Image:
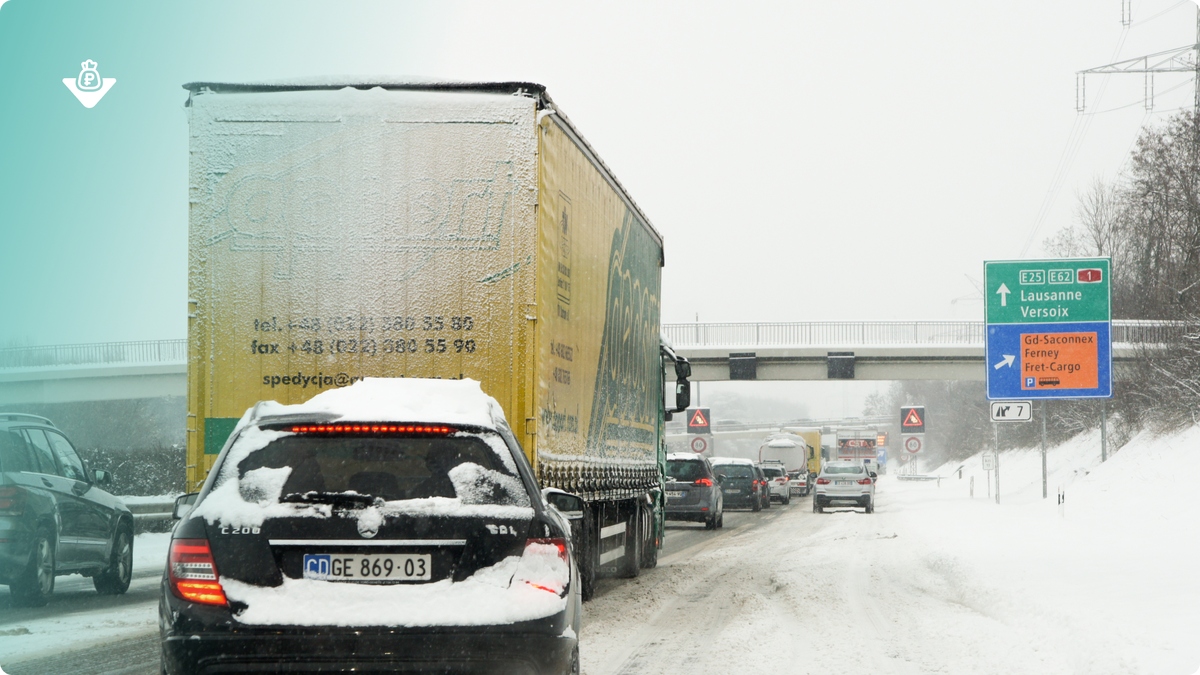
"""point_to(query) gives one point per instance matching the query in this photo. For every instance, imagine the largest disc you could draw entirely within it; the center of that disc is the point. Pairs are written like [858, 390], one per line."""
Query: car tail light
[865, 481]
[706, 482]
[193, 573]
[544, 565]
[12, 501]
[822, 481]
[372, 429]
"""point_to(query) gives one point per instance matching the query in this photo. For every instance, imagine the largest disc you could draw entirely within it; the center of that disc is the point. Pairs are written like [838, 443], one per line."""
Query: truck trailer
[347, 229]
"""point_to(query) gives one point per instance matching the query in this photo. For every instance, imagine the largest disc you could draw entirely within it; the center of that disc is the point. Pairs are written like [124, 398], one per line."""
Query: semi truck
[812, 437]
[347, 229]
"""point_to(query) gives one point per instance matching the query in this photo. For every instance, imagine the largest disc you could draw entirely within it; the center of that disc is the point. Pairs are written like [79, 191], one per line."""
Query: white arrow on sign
[1003, 293]
[1008, 361]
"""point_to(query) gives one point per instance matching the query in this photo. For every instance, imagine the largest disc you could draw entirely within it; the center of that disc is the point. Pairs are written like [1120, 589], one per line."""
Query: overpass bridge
[822, 350]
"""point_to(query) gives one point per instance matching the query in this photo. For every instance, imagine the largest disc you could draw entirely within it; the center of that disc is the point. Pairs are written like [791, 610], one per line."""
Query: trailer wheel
[631, 562]
[588, 557]
[649, 545]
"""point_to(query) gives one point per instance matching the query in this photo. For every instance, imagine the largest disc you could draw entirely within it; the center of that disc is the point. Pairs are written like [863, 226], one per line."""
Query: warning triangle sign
[698, 419]
[913, 419]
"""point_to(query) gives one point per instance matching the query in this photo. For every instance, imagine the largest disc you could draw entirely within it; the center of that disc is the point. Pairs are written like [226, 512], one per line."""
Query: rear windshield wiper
[343, 499]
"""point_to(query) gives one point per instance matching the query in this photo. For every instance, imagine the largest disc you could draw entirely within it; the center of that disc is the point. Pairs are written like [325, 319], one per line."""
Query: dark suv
[343, 534]
[693, 491]
[54, 518]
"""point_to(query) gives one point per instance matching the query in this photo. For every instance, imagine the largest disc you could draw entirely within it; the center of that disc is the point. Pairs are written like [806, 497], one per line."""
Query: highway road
[136, 651]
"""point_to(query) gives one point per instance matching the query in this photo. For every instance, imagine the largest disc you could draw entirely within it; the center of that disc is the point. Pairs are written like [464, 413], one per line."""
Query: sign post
[1049, 333]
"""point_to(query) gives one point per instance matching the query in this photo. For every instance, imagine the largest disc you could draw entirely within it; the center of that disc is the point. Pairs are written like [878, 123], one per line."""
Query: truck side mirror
[683, 394]
[683, 369]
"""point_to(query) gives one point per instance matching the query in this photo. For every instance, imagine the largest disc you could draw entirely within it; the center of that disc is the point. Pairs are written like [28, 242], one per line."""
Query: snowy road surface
[935, 581]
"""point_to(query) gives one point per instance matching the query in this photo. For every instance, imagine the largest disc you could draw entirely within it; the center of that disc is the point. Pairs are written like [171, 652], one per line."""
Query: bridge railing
[811, 333]
[97, 353]
[878, 333]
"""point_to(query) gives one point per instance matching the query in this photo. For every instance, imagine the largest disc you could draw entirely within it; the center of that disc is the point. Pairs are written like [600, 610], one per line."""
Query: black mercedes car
[54, 517]
[326, 542]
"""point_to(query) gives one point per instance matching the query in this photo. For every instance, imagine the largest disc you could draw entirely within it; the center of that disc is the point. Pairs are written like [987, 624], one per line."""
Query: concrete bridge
[860, 350]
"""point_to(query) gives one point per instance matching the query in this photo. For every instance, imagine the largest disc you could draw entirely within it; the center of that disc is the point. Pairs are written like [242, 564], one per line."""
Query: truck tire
[35, 584]
[650, 546]
[631, 562]
[589, 557]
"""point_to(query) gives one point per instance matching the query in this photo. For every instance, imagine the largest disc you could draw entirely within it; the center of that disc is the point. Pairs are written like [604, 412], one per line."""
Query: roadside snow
[937, 581]
[62, 627]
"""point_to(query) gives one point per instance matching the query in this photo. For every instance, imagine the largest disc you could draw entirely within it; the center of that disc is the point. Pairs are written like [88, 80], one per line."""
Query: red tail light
[544, 565]
[193, 573]
[865, 481]
[372, 429]
[822, 481]
[12, 501]
[706, 482]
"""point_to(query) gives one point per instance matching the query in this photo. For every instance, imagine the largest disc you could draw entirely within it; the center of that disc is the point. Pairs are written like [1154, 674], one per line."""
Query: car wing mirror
[874, 475]
[721, 478]
[101, 477]
[566, 503]
[183, 505]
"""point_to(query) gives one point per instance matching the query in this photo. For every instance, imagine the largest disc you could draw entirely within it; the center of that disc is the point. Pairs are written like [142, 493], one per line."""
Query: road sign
[1049, 330]
[912, 419]
[698, 421]
[1012, 411]
[912, 443]
[904, 457]
[699, 444]
[989, 461]
[881, 457]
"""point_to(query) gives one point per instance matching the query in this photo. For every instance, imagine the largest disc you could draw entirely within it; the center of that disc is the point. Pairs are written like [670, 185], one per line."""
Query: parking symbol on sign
[1029, 382]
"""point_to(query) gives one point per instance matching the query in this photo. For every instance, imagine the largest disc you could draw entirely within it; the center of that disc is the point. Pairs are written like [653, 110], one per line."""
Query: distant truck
[364, 228]
[791, 450]
[811, 436]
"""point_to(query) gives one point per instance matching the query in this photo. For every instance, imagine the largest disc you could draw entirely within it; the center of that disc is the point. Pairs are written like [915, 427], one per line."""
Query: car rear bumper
[825, 498]
[16, 547]
[691, 512]
[291, 650]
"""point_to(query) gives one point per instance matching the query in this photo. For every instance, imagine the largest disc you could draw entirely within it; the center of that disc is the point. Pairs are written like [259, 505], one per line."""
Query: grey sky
[804, 161]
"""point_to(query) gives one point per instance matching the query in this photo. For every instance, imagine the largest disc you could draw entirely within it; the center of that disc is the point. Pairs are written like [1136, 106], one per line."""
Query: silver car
[844, 482]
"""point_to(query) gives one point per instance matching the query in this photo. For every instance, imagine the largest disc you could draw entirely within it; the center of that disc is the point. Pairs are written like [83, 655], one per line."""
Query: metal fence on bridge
[877, 333]
[98, 353]
[811, 333]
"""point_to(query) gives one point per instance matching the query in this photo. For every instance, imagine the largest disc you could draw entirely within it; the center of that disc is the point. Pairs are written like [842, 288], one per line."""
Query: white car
[844, 482]
[777, 481]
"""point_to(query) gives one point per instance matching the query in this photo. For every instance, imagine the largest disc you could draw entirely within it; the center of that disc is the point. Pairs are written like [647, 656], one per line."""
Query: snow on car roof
[730, 460]
[399, 399]
[682, 455]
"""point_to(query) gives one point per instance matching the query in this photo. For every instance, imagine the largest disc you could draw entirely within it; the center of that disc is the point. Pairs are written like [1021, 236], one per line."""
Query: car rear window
[772, 473]
[391, 468]
[15, 454]
[735, 470]
[685, 469]
[844, 469]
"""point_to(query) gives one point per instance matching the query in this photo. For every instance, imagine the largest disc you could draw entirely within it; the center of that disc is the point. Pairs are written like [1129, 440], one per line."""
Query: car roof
[25, 419]
[684, 456]
[730, 460]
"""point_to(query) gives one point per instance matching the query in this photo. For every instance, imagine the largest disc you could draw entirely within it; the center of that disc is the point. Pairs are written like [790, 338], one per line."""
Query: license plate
[732, 492]
[369, 568]
[674, 493]
[843, 482]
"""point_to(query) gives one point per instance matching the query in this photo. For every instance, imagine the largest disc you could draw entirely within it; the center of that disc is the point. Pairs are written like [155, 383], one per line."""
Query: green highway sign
[1049, 329]
[1047, 291]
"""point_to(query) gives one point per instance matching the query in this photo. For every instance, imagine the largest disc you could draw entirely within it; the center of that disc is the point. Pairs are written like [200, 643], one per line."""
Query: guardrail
[149, 509]
[882, 333]
[96, 353]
